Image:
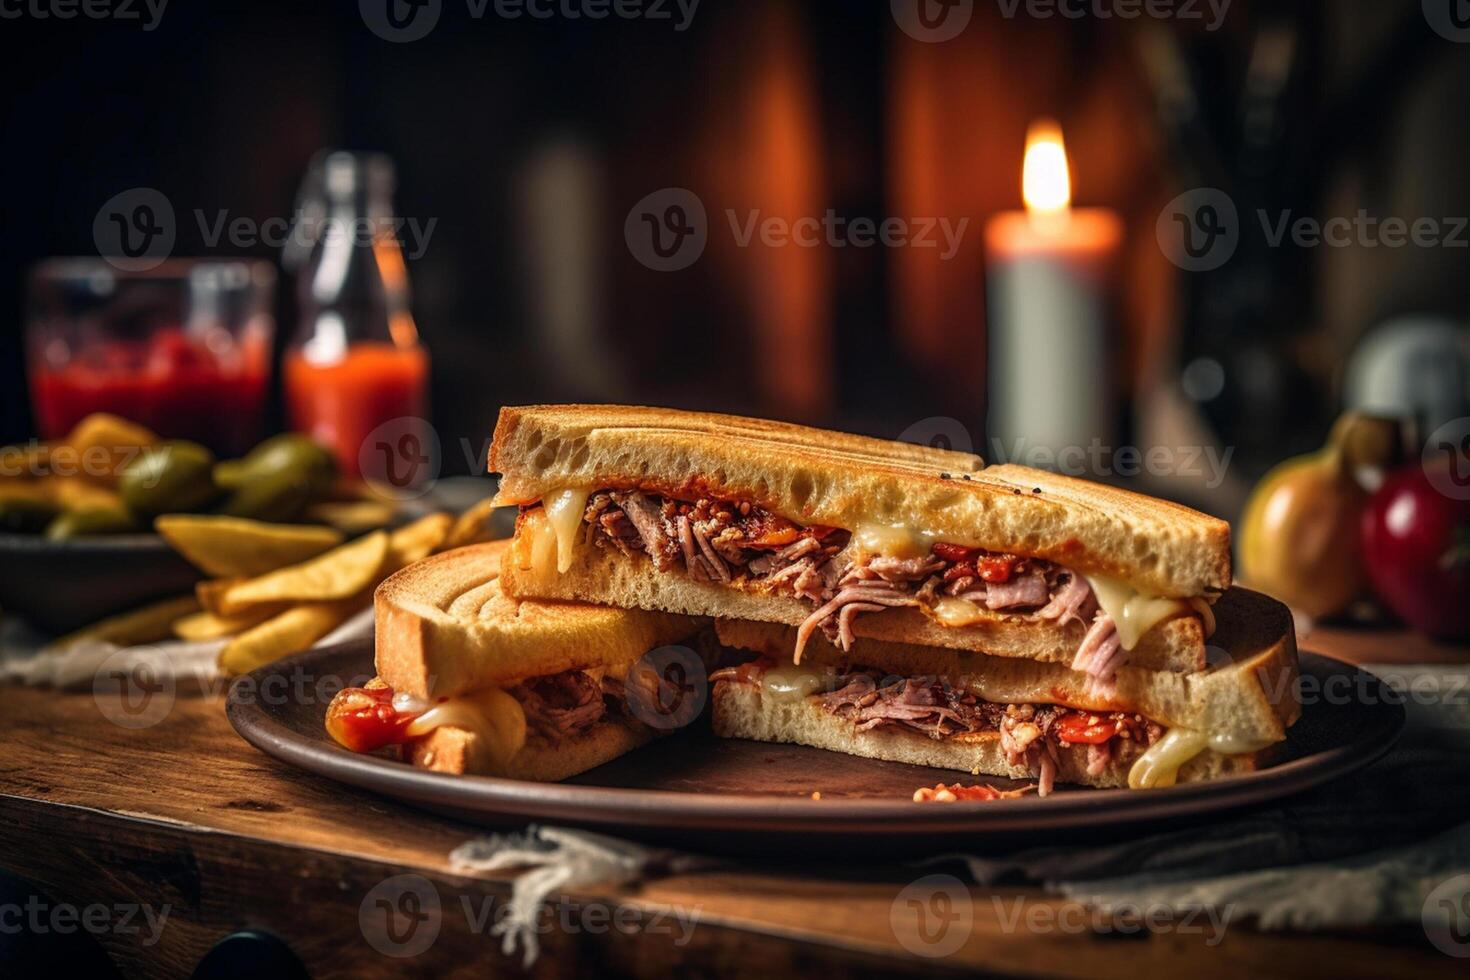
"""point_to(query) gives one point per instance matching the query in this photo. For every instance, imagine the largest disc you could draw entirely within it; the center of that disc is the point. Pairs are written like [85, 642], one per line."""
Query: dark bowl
[60, 586]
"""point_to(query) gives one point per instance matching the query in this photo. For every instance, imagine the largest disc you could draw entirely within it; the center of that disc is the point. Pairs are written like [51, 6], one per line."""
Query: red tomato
[954, 552]
[1416, 546]
[1077, 728]
[997, 568]
[364, 719]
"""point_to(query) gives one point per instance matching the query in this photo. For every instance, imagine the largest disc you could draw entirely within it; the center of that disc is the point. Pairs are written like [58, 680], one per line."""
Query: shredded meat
[561, 706]
[746, 545]
[928, 706]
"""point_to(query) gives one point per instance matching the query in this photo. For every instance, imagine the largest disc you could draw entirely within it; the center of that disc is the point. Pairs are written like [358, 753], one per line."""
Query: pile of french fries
[276, 588]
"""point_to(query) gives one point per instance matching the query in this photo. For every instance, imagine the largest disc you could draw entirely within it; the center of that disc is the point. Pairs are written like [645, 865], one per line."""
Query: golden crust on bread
[1249, 691]
[444, 627]
[455, 750]
[813, 476]
[605, 575]
[742, 711]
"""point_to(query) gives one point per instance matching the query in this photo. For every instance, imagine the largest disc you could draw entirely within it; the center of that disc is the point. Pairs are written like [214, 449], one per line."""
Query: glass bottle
[356, 374]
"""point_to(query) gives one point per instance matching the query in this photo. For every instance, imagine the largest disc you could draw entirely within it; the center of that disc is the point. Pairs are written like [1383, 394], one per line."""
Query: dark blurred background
[528, 140]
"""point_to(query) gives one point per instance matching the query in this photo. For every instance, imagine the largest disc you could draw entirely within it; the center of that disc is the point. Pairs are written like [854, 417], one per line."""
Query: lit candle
[1050, 343]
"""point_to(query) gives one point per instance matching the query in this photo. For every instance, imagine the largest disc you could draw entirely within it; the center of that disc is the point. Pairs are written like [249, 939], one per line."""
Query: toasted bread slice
[444, 627]
[744, 711]
[1249, 693]
[811, 476]
[455, 750]
[605, 575]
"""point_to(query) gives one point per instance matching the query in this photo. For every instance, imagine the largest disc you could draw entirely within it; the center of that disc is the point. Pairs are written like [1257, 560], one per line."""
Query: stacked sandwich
[907, 603]
[890, 601]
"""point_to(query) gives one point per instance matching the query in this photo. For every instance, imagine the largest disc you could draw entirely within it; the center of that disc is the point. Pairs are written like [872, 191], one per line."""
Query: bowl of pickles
[77, 516]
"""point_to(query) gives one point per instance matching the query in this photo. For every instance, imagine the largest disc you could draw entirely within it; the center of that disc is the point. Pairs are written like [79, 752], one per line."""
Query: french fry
[149, 624]
[295, 629]
[101, 445]
[340, 573]
[80, 493]
[416, 541]
[352, 516]
[205, 625]
[472, 526]
[234, 546]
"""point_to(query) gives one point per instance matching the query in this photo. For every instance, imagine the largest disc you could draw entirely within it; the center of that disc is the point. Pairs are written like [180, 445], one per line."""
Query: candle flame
[1046, 183]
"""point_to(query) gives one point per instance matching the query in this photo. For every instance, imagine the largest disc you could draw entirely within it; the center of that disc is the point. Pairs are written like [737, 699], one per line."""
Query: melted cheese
[956, 612]
[1160, 765]
[544, 549]
[1133, 613]
[564, 510]
[891, 541]
[493, 715]
[788, 682]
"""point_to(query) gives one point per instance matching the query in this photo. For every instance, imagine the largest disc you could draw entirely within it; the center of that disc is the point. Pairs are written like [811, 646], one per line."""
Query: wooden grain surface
[184, 813]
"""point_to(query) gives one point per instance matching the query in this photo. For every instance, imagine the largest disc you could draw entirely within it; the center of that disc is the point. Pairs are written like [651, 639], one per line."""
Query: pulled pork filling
[725, 542]
[1030, 734]
[562, 706]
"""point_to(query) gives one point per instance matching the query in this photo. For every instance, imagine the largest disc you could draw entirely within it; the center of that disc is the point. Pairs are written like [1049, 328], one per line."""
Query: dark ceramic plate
[60, 586]
[731, 795]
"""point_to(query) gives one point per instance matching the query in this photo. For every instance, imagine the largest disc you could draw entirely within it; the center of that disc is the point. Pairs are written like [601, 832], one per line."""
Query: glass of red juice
[183, 348]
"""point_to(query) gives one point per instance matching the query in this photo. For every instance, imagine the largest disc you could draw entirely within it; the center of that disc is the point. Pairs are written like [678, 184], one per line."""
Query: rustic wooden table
[186, 815]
